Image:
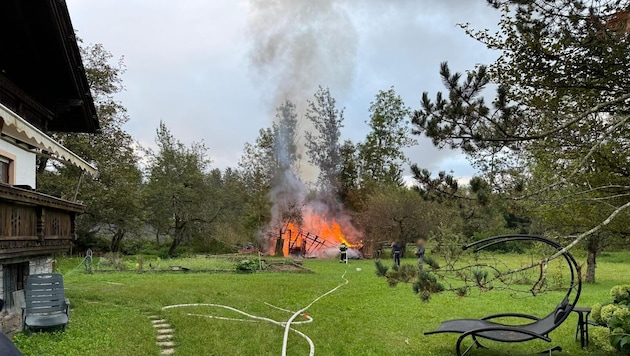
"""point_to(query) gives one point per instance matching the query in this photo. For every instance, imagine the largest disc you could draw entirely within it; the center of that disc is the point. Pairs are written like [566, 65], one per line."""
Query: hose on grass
[287, 325]
[252, 318]
[255, 318]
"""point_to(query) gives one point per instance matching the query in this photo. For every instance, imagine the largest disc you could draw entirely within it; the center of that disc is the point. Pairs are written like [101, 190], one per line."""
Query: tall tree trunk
[117, 240]
[157, 238]
[593, 248]
[174, 245]
[178, 236]
[591, 264]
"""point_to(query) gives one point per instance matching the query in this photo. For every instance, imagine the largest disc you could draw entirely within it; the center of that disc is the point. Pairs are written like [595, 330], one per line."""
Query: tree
[324, 145]
[349, 183]
[113, 196]
[381, 154]
[177, 195]
[482, 212]
[287, 190]
[562, 99]
[285, 131]
[257, 166]
[398, 214]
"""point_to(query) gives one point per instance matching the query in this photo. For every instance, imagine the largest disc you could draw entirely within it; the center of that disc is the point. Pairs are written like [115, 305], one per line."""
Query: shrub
[393, 277]
[431, 262]
[427, 284]
[407, 273]
[381, 269]
[615, 319]
[112, 261]
[600, 336]
[621, 294]
[247, 266]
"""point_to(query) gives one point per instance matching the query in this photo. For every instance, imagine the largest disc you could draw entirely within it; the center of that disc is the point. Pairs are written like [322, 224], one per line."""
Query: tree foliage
[176, 194]
[382, 153]
[113, 196]
[323, 144]
[560, 108]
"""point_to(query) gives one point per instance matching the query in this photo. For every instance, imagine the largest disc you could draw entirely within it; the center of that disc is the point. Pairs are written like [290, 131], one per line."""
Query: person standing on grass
[420, 253]
[397, 250]
[344, 253]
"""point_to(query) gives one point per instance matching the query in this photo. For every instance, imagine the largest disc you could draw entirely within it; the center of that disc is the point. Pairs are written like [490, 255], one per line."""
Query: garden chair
[535, 328]
[45, 304]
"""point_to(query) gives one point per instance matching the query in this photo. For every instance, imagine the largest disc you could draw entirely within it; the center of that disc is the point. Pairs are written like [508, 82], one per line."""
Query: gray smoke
[296, 46]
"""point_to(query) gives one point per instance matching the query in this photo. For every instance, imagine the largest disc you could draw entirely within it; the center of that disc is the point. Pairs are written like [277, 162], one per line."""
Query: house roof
[40, 63]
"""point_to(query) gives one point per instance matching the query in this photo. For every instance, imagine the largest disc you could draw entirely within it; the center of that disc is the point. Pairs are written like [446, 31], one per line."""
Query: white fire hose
[287, 326]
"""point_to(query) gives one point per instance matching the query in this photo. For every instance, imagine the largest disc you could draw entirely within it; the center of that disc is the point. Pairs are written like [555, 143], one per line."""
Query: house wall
[37, 264]
[24, 163]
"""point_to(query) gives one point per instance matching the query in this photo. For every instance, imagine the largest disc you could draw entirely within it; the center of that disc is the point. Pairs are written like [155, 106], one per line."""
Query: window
[5, 164]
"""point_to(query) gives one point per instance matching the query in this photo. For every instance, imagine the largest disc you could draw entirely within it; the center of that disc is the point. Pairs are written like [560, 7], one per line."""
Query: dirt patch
[288, 267]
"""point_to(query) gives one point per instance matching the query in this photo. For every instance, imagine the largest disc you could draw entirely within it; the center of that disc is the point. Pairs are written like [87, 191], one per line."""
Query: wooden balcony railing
[32, 223]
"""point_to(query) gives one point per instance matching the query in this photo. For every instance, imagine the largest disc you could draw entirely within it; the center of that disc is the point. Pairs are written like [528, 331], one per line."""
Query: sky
[214, 71]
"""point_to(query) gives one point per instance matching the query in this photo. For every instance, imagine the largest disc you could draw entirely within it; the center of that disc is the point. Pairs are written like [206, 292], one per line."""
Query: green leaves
[381, 153]
[616, 317]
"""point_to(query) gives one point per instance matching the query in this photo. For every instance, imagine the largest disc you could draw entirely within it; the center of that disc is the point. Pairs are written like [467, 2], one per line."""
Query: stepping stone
[165, 331]
[164, 337]
[168, 352]
[161, 326]
[166, 343]
[153, 317]
[158, 321]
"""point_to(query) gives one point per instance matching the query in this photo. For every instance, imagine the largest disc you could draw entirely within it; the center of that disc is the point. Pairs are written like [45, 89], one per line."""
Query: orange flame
[315, 234]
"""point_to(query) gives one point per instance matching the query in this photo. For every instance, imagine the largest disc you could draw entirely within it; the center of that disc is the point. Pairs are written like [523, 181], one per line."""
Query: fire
[315, 235]
[331, 232]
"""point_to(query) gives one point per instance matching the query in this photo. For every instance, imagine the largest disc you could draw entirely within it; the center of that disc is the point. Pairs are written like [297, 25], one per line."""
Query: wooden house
[43, 88]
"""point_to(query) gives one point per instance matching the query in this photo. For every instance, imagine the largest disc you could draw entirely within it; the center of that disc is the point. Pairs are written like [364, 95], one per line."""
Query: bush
[621, 294]
[247, 266]
[381, 269]
[600, 336]
[427, 284]
[393, 277]
[431, 262]
[407, 273]
[111, 261]
[615, 319]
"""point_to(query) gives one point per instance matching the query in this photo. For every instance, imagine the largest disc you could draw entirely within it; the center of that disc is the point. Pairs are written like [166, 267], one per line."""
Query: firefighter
[344, 253]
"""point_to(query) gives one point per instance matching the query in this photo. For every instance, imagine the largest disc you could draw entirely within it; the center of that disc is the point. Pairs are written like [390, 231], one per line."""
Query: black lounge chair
[536, 328]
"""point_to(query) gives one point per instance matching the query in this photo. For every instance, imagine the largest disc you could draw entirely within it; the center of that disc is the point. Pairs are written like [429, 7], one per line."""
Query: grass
[156, 264]
[365, 317]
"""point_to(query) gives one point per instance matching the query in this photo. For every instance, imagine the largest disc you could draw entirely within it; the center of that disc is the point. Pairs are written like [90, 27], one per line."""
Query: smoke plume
[297, 46]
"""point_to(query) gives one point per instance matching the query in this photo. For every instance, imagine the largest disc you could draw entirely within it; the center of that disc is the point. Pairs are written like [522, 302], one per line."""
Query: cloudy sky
[214, 70]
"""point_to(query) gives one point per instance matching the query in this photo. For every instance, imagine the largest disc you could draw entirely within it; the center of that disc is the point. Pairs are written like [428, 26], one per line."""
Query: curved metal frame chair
[537, 328]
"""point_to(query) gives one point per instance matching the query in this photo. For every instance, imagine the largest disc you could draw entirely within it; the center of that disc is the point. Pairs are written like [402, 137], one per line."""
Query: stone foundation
[10, 319]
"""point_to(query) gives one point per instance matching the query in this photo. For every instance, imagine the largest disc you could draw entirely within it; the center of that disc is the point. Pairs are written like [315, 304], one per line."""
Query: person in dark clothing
[344, 253]
[397, 251]
[420, 253]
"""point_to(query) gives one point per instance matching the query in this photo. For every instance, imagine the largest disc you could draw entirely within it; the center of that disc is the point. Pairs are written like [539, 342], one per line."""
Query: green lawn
[364, 317]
